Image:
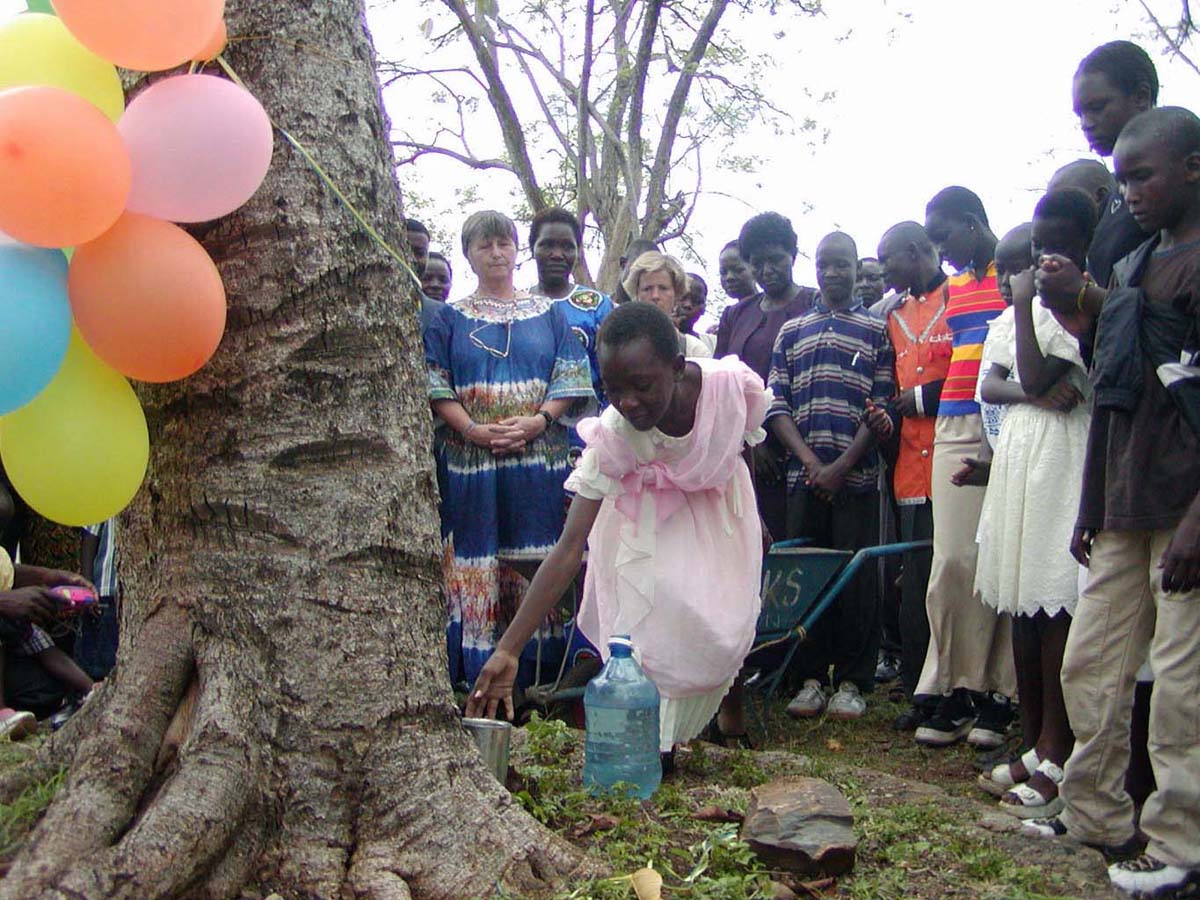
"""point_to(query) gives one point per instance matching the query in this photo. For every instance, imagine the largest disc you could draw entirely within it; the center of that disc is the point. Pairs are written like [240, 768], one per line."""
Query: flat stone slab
[802, 825]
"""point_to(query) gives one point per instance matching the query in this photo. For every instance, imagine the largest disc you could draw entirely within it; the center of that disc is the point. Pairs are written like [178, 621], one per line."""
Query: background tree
[281, 561]
[1175, 32]
[612, 109]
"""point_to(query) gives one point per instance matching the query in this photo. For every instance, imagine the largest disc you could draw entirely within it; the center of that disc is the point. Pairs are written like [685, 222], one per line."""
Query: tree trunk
[281, 559]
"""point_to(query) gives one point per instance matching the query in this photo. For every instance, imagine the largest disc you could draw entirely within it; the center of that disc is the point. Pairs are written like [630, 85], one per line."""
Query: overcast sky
[927, 93]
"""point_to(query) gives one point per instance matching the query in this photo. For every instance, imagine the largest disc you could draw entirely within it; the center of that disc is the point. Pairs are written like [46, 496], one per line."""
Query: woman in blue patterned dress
[504, 368]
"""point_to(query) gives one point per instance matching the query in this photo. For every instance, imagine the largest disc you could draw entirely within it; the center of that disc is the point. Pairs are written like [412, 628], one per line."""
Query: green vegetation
[919, 831]
[18, 818]
[696, 858]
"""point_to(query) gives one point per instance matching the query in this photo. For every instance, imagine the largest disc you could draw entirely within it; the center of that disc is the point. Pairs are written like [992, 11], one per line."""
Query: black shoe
[912, 718]
[1123, 852]
[888, 668]
[954, 718]
[668, 763]
[996, 715]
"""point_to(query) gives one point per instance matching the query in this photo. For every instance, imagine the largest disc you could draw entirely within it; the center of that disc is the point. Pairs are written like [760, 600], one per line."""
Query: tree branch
[506, 113]
[1175, 44]
[586, 143]
[656, 191]
[641, 67]
[432, 150]
[550, 117]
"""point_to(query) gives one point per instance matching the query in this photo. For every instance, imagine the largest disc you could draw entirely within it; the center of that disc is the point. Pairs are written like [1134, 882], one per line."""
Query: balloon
[148, 299]
[36, 49]
[200, 147]
[77, 454]
[64, 171]
[215, 44]
[147, 35]
[40, 6]
[36, 321]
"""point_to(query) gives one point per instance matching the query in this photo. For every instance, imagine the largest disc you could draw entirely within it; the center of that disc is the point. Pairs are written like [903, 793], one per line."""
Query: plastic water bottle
[621, 706]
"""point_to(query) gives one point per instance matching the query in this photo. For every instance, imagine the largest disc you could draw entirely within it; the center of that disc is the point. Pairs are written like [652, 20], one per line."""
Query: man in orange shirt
[922, 340]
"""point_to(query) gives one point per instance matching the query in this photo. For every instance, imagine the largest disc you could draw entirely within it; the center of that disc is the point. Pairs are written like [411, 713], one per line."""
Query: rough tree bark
[281, 560]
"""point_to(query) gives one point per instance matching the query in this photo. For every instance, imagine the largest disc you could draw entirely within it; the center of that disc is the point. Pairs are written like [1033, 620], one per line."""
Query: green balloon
[40, 6]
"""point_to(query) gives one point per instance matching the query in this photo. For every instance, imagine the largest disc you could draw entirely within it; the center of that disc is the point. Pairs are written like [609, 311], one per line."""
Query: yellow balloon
[77, 452]
[37, 49]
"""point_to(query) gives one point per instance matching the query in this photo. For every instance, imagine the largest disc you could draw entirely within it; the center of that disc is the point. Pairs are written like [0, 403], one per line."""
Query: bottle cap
[620, 640]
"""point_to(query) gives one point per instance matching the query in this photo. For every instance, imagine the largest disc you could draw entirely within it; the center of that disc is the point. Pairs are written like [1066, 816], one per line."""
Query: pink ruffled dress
[675, 554]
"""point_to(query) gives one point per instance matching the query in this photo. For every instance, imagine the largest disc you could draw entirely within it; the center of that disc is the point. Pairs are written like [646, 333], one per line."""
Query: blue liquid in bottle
[621, 707]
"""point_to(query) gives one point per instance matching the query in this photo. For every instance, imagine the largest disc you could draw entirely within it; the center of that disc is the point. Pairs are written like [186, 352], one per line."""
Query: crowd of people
[1031, 421]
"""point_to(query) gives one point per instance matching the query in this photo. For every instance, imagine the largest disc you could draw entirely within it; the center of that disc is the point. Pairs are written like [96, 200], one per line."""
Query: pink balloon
[200, 147]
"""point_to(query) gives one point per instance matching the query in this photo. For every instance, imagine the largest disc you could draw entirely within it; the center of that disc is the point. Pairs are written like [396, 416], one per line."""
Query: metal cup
[492, 737]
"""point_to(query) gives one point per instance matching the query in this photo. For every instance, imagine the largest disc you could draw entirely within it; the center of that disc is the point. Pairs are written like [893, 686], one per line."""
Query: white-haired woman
[659, 279]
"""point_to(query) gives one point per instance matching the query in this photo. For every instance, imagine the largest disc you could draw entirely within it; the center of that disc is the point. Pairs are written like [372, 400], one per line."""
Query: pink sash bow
[653, 478]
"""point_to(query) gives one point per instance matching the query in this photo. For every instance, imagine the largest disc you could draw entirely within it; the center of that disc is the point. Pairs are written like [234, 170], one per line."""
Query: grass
[19, 817]
[918, 829]
[915, 811]
[696, 858]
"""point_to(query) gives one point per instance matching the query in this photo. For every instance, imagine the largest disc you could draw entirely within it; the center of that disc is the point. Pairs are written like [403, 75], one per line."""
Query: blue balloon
[35, 321]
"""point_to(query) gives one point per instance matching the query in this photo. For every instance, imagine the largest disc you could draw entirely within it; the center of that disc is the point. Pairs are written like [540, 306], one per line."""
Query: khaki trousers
[970, 646]
[1124, 617]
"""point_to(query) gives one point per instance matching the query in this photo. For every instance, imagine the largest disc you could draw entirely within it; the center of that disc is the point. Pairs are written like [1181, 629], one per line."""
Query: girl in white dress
[1025, 566]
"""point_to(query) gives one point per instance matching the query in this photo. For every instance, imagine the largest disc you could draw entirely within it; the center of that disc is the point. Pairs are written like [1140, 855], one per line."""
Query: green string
[324, 176]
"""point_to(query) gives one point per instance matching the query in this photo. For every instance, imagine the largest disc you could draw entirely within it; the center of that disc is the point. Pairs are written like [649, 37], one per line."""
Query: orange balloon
[64, 170]
[147, 35]
[215, 44]
[147, 299]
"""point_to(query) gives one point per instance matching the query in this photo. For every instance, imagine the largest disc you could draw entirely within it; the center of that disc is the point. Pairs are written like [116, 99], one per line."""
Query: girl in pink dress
[665, 504]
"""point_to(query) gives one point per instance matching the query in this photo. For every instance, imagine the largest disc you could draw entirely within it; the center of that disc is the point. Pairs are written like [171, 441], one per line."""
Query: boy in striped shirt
[969, 662]
[826, 366]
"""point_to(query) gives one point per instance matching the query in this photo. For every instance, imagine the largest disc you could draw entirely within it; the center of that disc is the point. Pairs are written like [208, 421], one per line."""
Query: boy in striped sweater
[969, 662]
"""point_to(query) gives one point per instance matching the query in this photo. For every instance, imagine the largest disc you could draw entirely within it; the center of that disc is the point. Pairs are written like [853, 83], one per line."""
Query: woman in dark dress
[748, 329]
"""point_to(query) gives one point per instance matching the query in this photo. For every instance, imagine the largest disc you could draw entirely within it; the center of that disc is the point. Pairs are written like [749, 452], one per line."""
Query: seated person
[25, 604]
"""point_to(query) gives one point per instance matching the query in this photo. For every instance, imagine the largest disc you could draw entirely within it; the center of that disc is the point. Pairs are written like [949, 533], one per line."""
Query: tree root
[114, 761]
[403, 843]
[187, 784]
[194, 818]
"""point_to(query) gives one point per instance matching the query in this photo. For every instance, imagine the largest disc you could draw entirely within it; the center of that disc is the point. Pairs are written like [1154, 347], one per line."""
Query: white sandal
[1031, 804]
[1000, 780]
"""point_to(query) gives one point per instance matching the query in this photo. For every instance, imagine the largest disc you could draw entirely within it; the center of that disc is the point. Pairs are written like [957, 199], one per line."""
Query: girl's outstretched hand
[493, 687]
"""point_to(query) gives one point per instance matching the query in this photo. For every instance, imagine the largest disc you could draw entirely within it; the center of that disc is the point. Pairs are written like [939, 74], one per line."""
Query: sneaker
[888, 668]
[16, 725]
[809, 702]
[954, 717]
[1054, 827]
[59, 719]
[847, 703]
[996, 714]
[912, 718]
[1146, 876]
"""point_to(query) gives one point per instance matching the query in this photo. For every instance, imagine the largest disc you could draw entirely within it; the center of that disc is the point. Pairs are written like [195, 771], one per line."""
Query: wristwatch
[545, 415]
